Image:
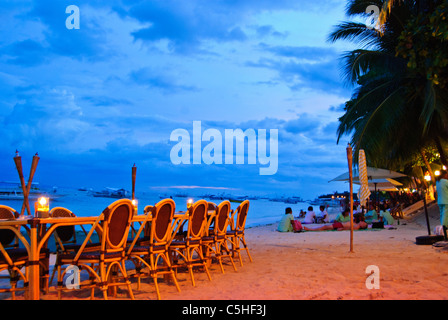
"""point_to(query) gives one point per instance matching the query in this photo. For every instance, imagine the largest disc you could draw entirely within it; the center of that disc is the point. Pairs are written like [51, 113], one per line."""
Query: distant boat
[214, 197]
[237, 199]
[328, 202]
[111, 193]
[291, 200]
[181, 195]
[13, 191]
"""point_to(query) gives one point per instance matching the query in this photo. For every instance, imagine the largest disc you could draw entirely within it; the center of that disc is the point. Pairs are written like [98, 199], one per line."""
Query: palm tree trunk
[433, 178]
[443, 157]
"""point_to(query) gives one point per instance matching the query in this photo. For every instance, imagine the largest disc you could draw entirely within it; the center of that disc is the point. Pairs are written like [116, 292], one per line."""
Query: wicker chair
[215, 241]
[147, 228]
[65, 237]
[115, 220]
[13, 258]
[211, 207]
[183, 250]
[160, 236]
[396, 212]
[236, 234]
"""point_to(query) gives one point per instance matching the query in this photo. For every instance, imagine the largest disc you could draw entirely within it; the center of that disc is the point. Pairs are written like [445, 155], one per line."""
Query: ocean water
[83, 204]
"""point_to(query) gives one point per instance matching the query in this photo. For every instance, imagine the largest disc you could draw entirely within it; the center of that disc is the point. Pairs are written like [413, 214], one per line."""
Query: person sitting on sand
[344, 216]
[371, 215]
[385, 214]
[285, 223]
[322, 215]
[337, 226]
[310, 216]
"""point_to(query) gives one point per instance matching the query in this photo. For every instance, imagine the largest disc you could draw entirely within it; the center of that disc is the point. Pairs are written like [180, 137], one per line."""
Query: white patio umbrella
[382, 184]
[372, 173]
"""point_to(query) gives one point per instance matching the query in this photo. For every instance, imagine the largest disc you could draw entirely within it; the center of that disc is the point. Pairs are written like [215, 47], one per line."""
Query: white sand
[317, 265]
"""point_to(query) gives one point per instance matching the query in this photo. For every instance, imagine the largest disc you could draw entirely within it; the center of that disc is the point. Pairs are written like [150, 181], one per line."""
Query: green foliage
[399, 106]
[424, 44]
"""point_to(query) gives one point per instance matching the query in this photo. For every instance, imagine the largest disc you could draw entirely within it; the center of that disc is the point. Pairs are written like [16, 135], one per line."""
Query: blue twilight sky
[93, 101]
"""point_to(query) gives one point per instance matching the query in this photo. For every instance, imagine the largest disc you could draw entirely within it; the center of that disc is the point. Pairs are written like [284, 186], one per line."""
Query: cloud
[188, 25]
[307, 53]
[306, 70]
[107, 101]
[185, 24]
[52, 38]
[26, 53]
[305, 123]
[158, 80]
[94, 101]
[268, 30]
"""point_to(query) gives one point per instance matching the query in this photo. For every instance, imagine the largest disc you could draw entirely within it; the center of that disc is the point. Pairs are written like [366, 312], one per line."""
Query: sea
[84, 204]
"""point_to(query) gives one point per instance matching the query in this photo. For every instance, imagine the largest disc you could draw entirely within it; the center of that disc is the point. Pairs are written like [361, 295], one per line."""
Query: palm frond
[356, 32]
[359, 62]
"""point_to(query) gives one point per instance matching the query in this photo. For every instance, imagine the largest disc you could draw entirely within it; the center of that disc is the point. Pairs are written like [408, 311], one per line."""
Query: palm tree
[421, 5]
[394, 113]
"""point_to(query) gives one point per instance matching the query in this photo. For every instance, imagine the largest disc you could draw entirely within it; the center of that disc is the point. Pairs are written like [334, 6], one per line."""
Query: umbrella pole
[350, 162]
[426, 213]
[376, 198]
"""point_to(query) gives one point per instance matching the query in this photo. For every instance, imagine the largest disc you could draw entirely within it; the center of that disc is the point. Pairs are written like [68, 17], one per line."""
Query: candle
[42, 207]
[135, 204]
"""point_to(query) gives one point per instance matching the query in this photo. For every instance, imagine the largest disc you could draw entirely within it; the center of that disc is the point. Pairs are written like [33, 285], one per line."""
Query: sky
[94, 100]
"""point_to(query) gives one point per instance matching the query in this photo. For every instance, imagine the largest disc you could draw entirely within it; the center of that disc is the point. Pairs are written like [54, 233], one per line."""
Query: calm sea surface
[81, 203]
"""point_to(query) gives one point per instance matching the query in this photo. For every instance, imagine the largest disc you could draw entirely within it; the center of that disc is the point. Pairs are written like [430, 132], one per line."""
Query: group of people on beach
[342, 221]
[362, 217]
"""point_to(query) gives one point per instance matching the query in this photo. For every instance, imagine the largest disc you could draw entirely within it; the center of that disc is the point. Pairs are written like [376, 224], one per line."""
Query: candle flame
[42, 201]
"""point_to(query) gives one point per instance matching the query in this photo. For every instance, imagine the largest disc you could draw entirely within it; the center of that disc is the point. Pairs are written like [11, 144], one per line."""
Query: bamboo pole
[18, 162]
[134, 175]
[30, 181]
[350, 170]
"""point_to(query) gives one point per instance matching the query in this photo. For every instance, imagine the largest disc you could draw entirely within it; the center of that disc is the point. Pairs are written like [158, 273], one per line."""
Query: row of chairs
[14, 257]
[159, 246]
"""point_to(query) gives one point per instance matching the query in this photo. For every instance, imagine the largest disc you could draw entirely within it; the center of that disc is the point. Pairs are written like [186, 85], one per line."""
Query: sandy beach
[316, 266]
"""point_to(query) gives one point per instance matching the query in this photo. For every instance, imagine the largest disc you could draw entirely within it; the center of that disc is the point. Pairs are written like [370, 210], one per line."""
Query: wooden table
[41, 230]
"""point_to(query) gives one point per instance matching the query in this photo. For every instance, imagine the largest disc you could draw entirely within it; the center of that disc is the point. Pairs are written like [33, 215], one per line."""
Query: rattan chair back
[116, 224]
[242, 210]
[7, 237]
[162, 218]
[65, 233]
[197, 220]
[222, 218]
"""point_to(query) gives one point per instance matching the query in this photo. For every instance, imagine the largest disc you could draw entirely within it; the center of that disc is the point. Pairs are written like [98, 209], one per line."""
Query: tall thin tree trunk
[443, 157]
[431, 173]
